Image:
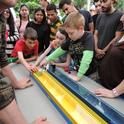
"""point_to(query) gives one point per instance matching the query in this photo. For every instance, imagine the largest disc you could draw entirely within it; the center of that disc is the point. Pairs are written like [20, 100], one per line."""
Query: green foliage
[120, 4]
[31, 4]
[80, 3]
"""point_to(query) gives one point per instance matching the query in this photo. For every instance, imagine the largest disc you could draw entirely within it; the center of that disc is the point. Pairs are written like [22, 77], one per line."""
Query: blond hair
[74, 20]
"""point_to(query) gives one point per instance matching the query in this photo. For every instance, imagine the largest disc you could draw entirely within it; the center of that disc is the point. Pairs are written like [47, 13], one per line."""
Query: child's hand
[31, 68]
[55, 43]
[34, 68]
[18, 62]
[74, 77]
[52, 63]
[43, 62]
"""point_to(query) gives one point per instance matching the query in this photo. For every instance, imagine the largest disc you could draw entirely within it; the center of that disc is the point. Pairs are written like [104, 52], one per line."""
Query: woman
[12, 34]
[40, 25]
[23, 19]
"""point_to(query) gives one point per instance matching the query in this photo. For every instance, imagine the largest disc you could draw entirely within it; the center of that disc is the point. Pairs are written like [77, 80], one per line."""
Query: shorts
[7, 94]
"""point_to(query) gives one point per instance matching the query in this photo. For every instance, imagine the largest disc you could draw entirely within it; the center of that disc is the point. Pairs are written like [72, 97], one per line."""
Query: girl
[12, 34]
[40, 25]
[61, 37]
[23, 19]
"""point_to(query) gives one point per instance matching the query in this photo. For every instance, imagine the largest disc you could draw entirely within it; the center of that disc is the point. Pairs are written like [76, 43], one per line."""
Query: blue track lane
[107, 112]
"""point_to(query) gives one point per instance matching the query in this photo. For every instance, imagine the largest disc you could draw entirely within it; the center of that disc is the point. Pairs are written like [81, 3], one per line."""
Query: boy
[53, 20]
[80, 45]
[26, 49]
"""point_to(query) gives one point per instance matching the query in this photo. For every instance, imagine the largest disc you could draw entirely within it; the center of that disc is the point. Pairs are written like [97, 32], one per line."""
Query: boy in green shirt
[80, 46]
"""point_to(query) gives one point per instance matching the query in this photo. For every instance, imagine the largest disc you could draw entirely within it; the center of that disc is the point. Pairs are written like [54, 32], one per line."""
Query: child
[80, 45]
[61, 37]
[26, 49]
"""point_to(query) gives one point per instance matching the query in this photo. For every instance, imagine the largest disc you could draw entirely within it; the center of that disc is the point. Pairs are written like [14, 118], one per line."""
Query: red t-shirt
[21, 47]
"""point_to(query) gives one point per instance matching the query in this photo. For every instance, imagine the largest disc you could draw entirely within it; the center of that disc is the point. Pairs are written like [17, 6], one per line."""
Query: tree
[31, 4]
[80, 3]
[120, 5]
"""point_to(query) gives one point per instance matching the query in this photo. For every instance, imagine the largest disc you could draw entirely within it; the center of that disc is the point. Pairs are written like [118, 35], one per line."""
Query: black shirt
[76, 48]
[88, 19]
[43, 32]
[107, 25]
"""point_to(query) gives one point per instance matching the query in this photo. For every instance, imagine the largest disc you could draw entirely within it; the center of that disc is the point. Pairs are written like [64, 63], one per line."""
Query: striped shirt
[54, 27]
[11, 40]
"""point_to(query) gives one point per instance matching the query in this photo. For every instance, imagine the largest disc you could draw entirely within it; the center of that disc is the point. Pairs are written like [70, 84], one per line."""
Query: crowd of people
[82, 43]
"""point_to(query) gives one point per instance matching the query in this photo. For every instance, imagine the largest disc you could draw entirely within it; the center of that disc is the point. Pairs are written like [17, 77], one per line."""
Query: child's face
[30, 43]
[39, 16]
[60, 38]
[74, 34]
[52, 15]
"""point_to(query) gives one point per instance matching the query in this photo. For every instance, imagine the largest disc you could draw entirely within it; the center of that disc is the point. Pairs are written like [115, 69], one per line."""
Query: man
[9, 111]
[67, 6]
[108, 27]
[97, 9]
[111, 71]
[54, 20]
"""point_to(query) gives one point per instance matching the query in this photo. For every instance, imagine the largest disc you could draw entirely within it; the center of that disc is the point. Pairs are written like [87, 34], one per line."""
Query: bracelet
[115, 92]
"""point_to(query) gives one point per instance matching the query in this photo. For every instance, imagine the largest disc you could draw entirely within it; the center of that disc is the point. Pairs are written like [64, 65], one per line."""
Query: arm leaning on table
[58, 52]
[84, 65]
[117, 91]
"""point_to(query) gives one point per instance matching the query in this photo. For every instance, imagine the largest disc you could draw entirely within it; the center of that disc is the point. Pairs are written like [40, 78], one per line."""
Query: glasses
[6, 11]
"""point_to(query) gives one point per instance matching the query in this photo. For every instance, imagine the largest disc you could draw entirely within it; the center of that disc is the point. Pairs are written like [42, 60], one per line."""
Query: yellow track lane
[77, 111]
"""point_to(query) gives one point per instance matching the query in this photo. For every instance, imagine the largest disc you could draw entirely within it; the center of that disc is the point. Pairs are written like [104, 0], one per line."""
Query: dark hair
[63, 2]
[10, 22]
[30, 33]
[22, 5]
[95, 0]
[43, 12]
[62, 31]
[51, 7]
